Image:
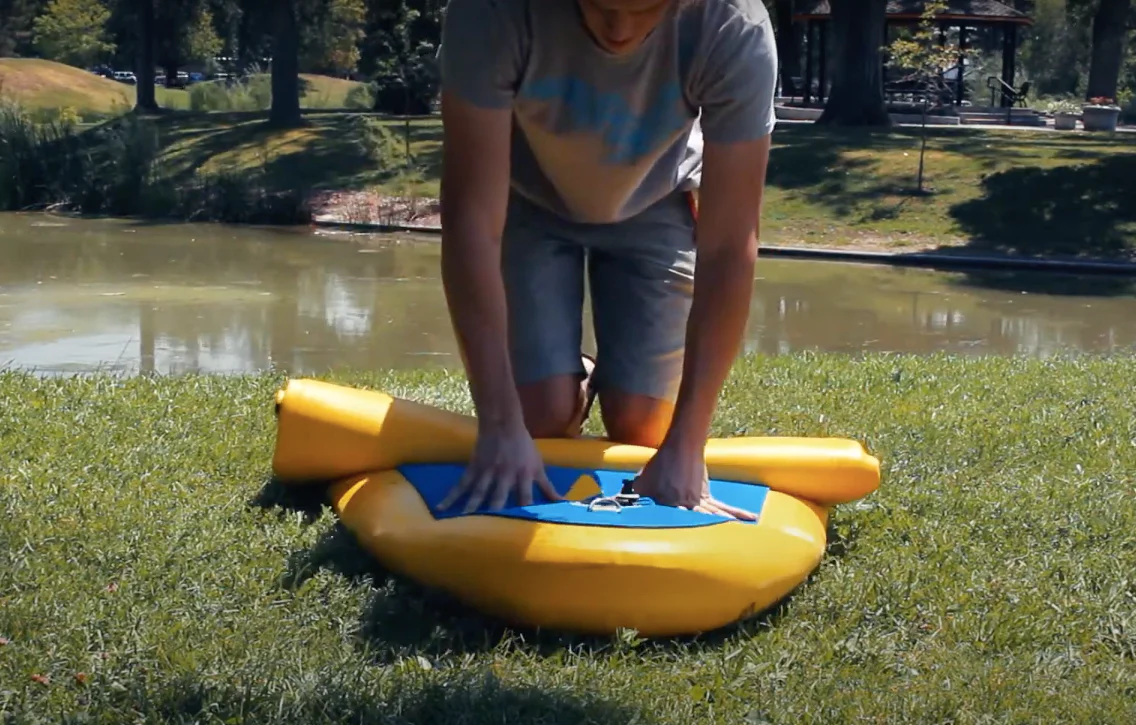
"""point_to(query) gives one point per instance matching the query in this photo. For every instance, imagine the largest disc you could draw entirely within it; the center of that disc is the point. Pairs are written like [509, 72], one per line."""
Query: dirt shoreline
[367, 209]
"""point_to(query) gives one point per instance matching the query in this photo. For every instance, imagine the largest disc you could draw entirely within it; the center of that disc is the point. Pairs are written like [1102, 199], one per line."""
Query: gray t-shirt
[599, 137]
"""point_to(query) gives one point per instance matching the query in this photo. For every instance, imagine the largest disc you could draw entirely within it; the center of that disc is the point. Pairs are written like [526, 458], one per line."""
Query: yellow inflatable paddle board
[599, 561]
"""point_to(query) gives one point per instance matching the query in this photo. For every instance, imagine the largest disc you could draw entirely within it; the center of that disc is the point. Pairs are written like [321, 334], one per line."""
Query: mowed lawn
[150, 573]
[43, 84]
[1003, 191]
[993, 191]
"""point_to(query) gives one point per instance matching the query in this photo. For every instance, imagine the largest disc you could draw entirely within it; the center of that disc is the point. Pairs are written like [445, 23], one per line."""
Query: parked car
[125, 76]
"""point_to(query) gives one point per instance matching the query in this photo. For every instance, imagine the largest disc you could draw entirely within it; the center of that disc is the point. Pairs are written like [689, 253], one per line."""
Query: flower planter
[1064, 121]
[1100, 118]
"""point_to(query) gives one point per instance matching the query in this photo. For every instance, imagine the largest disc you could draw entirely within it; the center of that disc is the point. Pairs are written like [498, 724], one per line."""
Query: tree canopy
[1073, 48]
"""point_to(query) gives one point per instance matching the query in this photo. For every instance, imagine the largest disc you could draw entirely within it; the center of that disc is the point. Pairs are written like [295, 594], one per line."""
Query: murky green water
[82, 295]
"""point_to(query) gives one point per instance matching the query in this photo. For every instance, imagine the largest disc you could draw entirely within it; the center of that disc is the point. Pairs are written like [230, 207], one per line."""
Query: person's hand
[504, 460]
[677, 476]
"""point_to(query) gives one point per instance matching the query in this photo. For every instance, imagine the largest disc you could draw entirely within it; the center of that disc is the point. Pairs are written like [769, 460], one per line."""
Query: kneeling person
[575, 135]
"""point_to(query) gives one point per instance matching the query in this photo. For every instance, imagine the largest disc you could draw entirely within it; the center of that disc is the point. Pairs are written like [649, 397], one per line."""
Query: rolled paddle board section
[328, 432]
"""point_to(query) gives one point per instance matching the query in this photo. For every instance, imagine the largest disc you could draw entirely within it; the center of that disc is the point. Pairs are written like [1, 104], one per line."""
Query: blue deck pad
[434, 482]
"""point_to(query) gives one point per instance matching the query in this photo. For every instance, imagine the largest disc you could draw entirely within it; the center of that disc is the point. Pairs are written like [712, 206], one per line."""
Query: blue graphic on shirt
[627, 135]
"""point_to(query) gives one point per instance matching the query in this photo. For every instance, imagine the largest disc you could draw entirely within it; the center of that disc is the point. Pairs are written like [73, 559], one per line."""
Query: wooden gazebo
[964, 15]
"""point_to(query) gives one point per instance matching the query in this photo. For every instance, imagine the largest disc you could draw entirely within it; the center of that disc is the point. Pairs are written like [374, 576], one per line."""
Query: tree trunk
[145, 100]
[857, 97]
[285, 66]
[1109, 29]
[788, 46]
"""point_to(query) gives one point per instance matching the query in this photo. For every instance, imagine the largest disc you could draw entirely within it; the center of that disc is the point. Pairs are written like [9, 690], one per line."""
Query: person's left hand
[677, 476]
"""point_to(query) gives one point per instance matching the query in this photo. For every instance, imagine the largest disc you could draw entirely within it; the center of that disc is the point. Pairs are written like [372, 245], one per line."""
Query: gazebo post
[944, 29]
[822, 75]
[960, 89]
[1009, 56]
[808, 89]
[817, 16]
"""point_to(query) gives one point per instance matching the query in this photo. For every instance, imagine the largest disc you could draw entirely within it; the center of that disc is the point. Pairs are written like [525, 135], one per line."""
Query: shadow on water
[1062, 285]
[404, 619]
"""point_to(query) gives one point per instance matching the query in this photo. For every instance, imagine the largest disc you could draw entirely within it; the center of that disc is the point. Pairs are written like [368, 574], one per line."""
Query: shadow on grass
[405, 619]
[1083, 210]
[466, 696]
[811, 160]
[327, 150]
[998, 147]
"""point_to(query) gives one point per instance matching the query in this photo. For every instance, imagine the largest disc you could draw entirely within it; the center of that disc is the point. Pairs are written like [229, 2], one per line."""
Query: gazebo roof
[975, 11]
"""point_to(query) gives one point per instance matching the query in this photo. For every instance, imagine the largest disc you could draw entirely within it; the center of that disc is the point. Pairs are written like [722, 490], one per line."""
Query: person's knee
[553, 407]
[635, 420]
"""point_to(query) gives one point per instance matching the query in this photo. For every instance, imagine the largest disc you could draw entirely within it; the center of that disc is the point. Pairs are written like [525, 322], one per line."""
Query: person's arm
[735, 89]
[474, 195]
[481, 57]
[733, 183]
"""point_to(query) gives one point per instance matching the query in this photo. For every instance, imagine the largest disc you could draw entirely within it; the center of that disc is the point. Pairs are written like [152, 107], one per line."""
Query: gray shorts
[640, 276]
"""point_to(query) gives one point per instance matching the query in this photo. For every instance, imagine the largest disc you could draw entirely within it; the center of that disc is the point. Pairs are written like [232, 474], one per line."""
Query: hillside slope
[46, 84]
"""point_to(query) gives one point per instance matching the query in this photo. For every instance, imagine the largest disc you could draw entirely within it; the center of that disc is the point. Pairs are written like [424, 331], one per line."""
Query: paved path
[977, 126]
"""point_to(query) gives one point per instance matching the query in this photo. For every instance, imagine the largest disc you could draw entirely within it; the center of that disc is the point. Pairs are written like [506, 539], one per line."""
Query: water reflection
[77, 296]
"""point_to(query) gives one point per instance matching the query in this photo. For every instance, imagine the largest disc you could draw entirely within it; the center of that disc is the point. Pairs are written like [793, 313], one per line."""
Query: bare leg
[635, 419]
[556, 407]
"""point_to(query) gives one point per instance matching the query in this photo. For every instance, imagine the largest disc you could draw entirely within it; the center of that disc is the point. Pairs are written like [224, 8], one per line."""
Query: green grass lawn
[43, 84]
[1010, 191]
[331, 151]
[149, 573]
[1006, 191]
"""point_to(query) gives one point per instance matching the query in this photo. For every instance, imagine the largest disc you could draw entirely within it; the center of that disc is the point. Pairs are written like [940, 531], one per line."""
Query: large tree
[73, 32]
[331, 31]
[145, 100]
[1110, 28]
[16, 18]
[285, 109]
[857, 97]
[183, 33]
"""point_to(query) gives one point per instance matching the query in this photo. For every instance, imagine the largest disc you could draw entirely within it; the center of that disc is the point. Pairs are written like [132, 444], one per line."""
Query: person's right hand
[504, 460]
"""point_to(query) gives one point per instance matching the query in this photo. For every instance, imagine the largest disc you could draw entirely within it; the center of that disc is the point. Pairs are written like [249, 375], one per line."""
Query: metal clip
[627, 496]
[605, 503]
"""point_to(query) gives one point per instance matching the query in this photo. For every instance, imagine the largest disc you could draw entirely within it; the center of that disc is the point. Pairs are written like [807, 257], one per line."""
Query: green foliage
[406, 73]
[16, 17]
[922, 54]
[200, 41]
[117, 168]
[925, 56]
[73, 32]
[378, 143]
[184, 32]
[1055, 54]
[330, 36]
[150, 573]
[1064, 105]
[361, 96]
[252, 93]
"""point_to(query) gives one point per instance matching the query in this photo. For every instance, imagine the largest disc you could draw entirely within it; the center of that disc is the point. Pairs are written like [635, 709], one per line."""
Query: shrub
[361, 97]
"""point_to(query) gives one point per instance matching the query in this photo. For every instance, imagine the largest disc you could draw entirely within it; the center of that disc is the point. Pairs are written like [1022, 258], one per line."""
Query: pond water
[112, 295]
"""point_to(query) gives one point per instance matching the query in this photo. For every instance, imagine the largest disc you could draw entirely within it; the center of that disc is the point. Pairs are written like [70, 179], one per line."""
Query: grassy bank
[1001, 191]
[149, 573]
[49, 89]
[230, 167]
[993, 191]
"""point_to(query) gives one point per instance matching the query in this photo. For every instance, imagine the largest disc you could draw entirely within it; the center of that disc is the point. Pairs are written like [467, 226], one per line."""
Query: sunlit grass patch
[149, 571]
